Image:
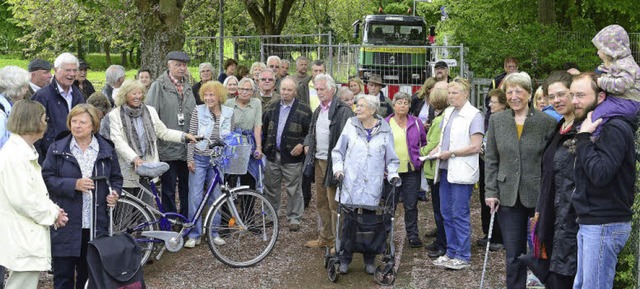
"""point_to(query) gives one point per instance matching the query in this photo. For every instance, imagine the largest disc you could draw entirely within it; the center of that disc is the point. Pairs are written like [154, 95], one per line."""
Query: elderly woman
[144, 76]
[212, 121]
[231, 84]
[515, 143]
[14, 85]
[556, 217]
[458, 170]
[257, 68]
[26, 212]
[134, 129]
[420, 104]
[439, 102]
[362, 156]
[206, 74]
[247, 113]
[356, 85]
[67, 171]
[408, 137]
[347, 96]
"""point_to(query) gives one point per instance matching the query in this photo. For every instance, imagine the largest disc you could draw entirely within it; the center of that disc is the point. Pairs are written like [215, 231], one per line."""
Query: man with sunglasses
[266, 88]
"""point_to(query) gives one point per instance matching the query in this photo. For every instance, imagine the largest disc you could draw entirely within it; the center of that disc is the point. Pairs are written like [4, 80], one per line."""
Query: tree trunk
[79, 49]
[162, 32]
[546, 12]
[123, 58]
[266, 17]
[107, 51]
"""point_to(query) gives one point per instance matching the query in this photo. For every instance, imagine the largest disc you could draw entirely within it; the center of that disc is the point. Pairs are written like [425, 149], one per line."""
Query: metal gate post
[462, 65]
[330, 55]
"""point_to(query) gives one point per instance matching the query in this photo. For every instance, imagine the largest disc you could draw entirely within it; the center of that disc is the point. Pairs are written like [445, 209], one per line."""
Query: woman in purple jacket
[408, 137]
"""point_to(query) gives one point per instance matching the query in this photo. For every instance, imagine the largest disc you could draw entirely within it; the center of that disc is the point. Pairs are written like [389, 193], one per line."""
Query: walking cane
[486, 252]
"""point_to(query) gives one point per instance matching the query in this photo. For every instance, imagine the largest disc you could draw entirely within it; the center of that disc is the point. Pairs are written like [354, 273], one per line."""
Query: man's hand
[588, 125]
[61, 220]
[339, 175]
[112, 199]
[84, 185]
[297, 150]
[306, 150]
[493, 203]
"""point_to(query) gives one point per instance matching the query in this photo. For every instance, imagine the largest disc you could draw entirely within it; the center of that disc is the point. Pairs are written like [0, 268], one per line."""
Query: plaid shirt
[178, 83]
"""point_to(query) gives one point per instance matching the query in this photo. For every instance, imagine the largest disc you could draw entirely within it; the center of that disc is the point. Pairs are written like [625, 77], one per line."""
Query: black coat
[416, 106]
[295, 130]
[557, 227]
[60, 171]
[339, 114]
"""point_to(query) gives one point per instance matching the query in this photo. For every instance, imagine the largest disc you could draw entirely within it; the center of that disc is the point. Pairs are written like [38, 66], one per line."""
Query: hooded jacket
[621, 77]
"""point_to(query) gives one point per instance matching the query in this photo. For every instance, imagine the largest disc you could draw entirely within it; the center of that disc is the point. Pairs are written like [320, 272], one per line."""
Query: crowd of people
[556, 164]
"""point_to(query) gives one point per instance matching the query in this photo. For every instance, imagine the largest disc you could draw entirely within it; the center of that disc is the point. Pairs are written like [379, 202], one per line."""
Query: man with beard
[442, 72]
[302, 64]
[605, 176]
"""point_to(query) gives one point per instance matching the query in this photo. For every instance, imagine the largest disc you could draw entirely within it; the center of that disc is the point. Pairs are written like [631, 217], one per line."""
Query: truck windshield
[394, 33]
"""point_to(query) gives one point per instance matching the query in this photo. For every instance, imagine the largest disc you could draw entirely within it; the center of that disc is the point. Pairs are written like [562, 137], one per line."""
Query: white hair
[113, 73]
[205, 64]
[331, 84]
[245, 80]
[371, 100]
[13, 81]
[273, 57]
[65, 58]
[231, 77]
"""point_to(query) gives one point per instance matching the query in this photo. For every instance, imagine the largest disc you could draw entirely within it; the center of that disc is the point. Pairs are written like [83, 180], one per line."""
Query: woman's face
[541, 102]
[401, 107]
[81, 126]
[145, 78]
[354, 87]
[256, 73]
[517, 97]
[245, 91]
[457, 96]
[495, 105]
[363, 111]
[232, 87]
[211, 99]
[134, 98]
[560, 98]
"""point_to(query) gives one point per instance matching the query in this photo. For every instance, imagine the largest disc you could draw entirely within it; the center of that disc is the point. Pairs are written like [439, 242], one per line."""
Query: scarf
[128, 115]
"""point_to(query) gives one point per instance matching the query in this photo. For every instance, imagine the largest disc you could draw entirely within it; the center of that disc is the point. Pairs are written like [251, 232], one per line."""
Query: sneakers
[369, 268]
[318, 244]
[294, 227]
[192, 242]
[458, 264]
[218, 241]
[442, 261]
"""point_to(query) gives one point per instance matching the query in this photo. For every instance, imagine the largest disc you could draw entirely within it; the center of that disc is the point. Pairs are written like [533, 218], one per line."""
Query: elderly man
[284, 69]
[229, 66]
[172, 97]
[40, 71]
[114, 78]
[306, 90]
[302, 64]
[327, 123]
[374, 86]
[286, 124]
[58, 98]
[86, 87]
[206, 74]
[273, 63]
[266, 88]
[603, 197]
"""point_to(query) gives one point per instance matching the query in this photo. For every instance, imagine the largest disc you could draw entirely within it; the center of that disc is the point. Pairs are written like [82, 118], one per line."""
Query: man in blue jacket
[58, 98]
[605, 176]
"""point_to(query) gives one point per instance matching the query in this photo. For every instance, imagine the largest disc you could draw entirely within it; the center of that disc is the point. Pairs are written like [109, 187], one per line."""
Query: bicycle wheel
[130, 217]
[247, 237]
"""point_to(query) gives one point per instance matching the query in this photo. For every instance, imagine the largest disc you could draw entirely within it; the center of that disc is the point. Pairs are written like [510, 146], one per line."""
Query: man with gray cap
[40, 71]
[171, 95]
[114, 78]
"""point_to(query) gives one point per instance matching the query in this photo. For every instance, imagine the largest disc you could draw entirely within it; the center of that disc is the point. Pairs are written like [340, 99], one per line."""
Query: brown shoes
[318, 244]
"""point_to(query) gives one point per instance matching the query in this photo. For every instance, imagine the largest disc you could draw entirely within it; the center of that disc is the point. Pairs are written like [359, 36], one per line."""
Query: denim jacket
[206, 123]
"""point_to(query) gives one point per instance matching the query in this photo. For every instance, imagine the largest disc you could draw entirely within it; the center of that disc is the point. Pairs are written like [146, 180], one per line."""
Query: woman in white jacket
[362, 155]
[134, 130]
[26, 212]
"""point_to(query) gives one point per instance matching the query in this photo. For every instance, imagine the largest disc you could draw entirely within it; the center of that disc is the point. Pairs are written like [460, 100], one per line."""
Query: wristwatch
[453, 155]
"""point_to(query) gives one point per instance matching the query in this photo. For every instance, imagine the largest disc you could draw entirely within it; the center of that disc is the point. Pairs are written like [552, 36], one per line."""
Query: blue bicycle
[242, 217]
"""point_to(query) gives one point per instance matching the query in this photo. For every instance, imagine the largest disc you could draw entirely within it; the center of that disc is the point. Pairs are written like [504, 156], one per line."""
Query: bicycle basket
[236, 159]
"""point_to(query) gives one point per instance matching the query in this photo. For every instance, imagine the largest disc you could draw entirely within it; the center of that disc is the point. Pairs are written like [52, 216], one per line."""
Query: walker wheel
[332, 270]
[385, 275]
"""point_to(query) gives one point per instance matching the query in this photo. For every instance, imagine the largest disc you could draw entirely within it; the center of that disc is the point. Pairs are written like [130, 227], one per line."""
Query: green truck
[393, 46]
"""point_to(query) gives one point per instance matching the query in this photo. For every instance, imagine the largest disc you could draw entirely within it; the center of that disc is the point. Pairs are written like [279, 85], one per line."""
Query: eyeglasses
[267, 79]
[559, 94]
[274, 66]
[580, 95]
[245, 89]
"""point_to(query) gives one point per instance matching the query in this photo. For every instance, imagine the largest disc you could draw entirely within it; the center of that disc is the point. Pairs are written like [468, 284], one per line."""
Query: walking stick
[486, 252]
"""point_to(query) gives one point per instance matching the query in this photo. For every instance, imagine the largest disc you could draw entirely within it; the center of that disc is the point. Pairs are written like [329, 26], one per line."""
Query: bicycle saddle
[152, 170]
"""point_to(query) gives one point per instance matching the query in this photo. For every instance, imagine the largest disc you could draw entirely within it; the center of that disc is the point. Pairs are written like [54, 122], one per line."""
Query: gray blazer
[512, 166]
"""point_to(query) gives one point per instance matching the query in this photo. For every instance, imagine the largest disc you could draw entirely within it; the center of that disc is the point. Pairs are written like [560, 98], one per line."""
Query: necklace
[566, 125]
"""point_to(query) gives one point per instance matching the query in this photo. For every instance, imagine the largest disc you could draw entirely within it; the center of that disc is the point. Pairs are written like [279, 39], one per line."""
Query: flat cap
[39, 64]
[178, 55]
[441, 64]
[83, 65]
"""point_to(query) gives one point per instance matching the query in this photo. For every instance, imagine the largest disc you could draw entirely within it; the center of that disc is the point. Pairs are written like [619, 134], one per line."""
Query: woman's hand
[84, 185]
[445, 155]
[258, 153]
[339, 175]
[137, 162]
[190, 138]
[493, 203]
[61, 220]
[112, 199]
[192, 166]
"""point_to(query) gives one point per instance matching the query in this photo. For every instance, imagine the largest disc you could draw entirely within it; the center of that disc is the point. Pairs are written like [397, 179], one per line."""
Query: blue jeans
[454, 205]
[598, 249]
[178, 174]
[203, 175]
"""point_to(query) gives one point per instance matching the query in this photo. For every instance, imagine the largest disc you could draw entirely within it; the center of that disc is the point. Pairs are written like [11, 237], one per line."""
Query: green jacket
[433, 138]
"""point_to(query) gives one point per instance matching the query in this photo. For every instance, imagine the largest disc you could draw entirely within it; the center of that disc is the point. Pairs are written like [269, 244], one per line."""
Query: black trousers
[558, 281]
[66, 268]
[514, 221]
[178, 174]
[306, 189]
[485, 212]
